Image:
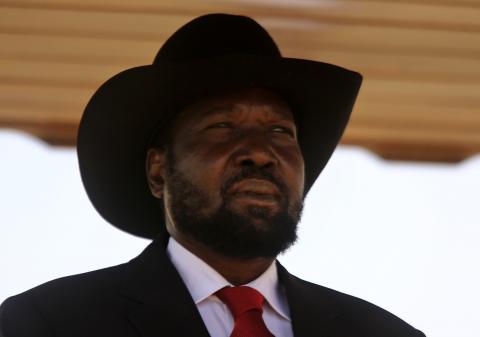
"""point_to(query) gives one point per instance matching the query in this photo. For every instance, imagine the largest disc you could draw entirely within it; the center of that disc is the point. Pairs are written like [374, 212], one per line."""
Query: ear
[155, 167]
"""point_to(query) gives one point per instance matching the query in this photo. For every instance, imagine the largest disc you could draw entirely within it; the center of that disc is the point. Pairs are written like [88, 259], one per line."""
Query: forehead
[270, 104]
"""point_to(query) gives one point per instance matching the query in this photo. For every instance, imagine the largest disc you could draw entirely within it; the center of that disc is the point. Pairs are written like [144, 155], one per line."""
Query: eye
[221, 125]
[283, 130]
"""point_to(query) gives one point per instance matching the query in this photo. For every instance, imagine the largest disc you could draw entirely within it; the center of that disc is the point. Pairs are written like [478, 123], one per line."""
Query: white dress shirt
[203, 281]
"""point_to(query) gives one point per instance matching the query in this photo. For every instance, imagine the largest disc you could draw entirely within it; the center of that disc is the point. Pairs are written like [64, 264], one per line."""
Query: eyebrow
[229, 109]
[218, 110]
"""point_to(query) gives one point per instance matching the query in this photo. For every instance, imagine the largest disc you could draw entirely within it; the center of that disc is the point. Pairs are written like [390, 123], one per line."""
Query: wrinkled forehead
[272, 105]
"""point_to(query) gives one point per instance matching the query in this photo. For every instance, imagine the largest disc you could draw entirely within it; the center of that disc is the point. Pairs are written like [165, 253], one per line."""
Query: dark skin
[211, 140]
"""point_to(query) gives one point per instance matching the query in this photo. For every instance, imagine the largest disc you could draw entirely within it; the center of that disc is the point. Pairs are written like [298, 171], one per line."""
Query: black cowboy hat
[211, 54]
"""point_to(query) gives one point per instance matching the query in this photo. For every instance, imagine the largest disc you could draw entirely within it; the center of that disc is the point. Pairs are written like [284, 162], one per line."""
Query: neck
[237, 271]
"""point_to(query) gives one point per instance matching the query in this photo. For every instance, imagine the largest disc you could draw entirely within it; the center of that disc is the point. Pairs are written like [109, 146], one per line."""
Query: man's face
[234, 174]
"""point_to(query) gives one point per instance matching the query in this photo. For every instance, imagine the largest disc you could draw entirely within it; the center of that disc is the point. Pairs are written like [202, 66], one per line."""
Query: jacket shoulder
[29, 313]
[361, 316]
[20, 318]
[76, 287]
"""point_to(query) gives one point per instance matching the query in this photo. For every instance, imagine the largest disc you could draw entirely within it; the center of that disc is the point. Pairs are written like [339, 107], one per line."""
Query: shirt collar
[203, 281]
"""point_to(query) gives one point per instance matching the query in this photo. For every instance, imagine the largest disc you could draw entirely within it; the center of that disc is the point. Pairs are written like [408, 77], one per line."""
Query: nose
[254, 150]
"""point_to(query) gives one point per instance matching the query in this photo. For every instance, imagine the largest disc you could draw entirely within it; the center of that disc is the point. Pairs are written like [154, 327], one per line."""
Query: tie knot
[241, 299]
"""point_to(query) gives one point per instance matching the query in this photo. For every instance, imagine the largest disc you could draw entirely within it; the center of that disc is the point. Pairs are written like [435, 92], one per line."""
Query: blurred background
[394, 218]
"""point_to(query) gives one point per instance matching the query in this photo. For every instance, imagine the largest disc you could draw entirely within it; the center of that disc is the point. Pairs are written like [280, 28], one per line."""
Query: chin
[255, 214]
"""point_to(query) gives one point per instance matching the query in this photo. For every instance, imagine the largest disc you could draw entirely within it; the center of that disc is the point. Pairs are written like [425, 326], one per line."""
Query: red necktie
[246, 306]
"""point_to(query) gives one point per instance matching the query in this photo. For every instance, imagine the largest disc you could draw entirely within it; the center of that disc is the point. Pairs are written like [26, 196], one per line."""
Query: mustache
[254, 173]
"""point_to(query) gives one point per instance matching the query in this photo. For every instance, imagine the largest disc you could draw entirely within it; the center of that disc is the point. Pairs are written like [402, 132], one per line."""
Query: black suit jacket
[147, 298]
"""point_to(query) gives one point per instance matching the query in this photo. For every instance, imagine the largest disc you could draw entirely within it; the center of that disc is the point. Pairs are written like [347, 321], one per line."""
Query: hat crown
[215, 35]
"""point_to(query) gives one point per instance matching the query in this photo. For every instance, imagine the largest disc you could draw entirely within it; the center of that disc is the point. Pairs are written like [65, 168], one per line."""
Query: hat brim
[119, 121]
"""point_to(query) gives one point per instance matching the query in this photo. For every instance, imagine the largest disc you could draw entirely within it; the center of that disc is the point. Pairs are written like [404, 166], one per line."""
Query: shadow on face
[232, 175]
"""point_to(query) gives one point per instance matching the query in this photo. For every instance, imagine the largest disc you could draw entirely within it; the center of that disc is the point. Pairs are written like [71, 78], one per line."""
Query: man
[210, 151]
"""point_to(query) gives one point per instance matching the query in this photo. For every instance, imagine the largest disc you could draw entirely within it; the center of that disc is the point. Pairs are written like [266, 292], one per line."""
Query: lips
[255, 188]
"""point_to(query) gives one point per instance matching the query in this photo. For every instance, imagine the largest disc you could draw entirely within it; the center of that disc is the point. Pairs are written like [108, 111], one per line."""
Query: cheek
[300, 181]
[202, 164]
[297, 174]
[294, 168]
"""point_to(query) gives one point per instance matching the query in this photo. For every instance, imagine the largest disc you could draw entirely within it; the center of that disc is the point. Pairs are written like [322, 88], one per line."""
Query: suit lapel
[163, 306]
[313, 311]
